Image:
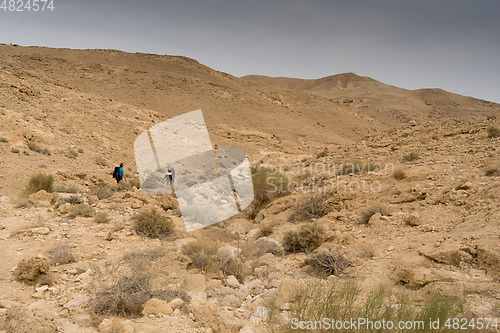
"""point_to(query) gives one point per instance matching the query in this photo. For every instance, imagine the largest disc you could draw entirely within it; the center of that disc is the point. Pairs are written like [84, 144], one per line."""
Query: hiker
[119, 173]
[170, 176]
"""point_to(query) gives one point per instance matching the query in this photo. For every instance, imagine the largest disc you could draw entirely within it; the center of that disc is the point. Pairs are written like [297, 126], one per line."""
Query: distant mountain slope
[173, 85]
[383, 102]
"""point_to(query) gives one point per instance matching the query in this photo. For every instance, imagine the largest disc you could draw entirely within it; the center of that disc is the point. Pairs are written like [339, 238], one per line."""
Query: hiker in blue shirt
[119, 173]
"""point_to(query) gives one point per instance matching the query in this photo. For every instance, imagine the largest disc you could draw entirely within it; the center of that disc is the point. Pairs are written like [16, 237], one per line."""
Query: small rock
[156, 306]
[231, 281]
[176, 303]
[105, 326]
[40, 231]
[375, 219]
[413, 220]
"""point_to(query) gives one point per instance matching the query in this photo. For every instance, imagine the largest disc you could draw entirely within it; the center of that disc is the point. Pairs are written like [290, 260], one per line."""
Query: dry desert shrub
[368, 212]
[81, 210]
[102, 191]
[30, 270]
[492, 171]
[36, 148]
[101, 217]
[268, 183]
[61, 255]
[203, 257]
[123, 290]
[326, 264]
[493, 132]
[147, 254]
[311, 206]
[23, 202]
[321, 154]
[358, 167]
[154, 225]
[99, 160]
[399, 174]
[411, 157]
[4, 139]
[265, 230]
[15, 150]
[306, 239]
[71, 154]
[71, 188]
[38, 182]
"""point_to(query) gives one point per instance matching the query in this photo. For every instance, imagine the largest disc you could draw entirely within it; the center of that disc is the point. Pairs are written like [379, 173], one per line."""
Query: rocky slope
[433, 230]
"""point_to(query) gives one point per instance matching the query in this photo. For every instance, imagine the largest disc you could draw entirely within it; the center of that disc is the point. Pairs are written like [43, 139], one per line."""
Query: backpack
[116, 173]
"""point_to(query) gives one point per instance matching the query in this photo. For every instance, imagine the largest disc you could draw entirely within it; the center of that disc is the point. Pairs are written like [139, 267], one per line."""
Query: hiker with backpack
[170, 176]
[119, 173]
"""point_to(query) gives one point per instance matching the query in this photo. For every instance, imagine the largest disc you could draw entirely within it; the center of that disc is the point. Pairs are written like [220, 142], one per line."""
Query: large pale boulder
[156, 306]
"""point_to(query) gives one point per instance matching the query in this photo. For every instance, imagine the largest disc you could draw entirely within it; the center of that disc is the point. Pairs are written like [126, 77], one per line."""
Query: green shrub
[368, 212]
[411, 157]
[399, 174]
[36, 148]
[82, 210]
[493, 132]
[358, 167]
[38, 182]
[154, 225]
[101, 217]
[307, 239]
[344, 301]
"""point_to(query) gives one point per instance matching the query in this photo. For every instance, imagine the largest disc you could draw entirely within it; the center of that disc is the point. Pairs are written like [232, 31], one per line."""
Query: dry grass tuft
[36, 148]
[4, 139]
[72, 154]
[101, 217]
[493, 132]
[399, 174]
[122, 291]
[492, 171]
[82, 210]
[307, 239]
[368, 212]
[154, 225]
[61, 255]
[411, 157]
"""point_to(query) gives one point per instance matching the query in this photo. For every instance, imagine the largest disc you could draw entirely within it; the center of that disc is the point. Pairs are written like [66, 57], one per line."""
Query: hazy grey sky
[448, 44]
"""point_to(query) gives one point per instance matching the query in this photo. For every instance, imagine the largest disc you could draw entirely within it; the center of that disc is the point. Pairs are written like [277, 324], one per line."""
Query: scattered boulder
[156, 306]
[231, 281]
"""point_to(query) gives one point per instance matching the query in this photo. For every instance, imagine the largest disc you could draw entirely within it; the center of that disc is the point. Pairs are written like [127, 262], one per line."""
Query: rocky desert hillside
[369, 198]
